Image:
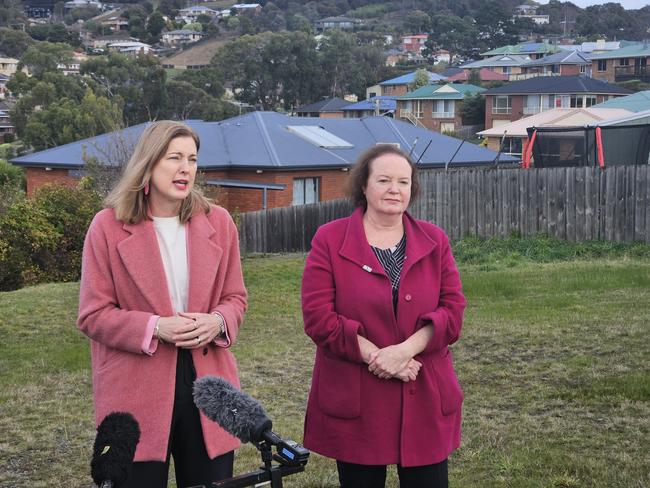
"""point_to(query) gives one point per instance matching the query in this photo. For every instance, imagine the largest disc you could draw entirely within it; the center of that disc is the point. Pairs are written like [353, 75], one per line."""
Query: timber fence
[574, 204]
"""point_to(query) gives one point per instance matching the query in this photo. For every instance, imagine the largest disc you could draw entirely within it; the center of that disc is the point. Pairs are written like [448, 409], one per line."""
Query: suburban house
[564, 63]
[534, 50]
[240, 8]
[116, 23]
[343, 23]
[484, 74]
[8, 66]
[507, 64]
[400, 85]
[72, 4]
[293, 160]
[6, 127]
[191, 14]
[624, 64]
[518, 99]
[181, 37]
[372, 106]
[512, 137]
[103, 41]
[330, 108]
[4, 91]
[530, 12]
[132, 48]
[436, 107]
[637, 102]
[414, 43]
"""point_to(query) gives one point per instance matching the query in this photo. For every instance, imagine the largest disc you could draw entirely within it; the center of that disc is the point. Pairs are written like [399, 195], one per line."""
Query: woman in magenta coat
[382, 300]
[162, 298]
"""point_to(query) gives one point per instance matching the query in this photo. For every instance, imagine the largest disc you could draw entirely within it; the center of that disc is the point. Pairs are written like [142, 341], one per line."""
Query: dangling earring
[146, 189]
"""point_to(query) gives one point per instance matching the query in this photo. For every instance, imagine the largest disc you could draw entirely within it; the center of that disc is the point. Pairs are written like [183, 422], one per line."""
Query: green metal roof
[436, 92]
[637, 102]
[524, 48]
[632, 51]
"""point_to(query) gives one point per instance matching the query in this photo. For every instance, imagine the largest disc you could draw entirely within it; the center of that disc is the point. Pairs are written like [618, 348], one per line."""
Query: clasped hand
[393, 362]
[189, 330]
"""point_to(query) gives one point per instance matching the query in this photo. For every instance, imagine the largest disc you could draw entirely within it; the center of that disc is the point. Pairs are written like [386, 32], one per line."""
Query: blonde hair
[128, 198]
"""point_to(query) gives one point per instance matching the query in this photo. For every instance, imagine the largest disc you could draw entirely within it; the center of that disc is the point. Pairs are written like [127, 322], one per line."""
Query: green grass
[553, 359]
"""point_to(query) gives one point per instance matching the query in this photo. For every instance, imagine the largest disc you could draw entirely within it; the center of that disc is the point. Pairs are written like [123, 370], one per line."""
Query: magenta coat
[122, 285]
[352, 415]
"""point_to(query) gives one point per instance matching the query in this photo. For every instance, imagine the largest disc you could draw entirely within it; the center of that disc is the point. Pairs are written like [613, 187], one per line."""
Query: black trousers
[192, 465]
[374, 476]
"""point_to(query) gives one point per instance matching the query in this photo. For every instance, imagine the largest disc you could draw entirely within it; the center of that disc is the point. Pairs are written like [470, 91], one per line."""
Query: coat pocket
[451, 394]
[339, 388]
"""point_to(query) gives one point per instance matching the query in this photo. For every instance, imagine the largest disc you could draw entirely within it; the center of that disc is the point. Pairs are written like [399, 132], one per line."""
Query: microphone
[117, 437]
[243, 417]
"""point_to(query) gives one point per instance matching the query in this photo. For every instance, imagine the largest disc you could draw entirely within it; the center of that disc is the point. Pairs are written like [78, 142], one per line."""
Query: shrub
[42, 238]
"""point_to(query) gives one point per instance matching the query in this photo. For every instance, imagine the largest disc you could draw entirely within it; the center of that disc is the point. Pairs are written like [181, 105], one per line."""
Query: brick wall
[516, 113]
[332, 186]
[37, 177]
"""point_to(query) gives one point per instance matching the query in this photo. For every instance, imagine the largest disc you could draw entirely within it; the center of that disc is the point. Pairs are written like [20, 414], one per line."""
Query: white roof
[559, 117]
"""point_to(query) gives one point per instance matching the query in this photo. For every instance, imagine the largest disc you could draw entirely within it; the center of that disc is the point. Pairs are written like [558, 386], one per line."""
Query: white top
[173, 250]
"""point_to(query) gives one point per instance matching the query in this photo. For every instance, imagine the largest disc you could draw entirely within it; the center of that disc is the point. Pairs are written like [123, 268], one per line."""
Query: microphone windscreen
[236, 412]
[117, 437]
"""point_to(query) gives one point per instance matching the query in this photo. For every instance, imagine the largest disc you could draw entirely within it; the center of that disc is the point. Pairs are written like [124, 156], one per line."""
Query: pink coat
[122, 285]
[352, 415]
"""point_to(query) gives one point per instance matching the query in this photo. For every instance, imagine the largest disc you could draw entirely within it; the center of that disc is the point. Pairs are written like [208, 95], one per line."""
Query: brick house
[414, 43]
[265, 159]
[331, 108]
[627, 63]
[518, 99]
[506, 64]
[436, 107]
[565, 63]
[400, 85]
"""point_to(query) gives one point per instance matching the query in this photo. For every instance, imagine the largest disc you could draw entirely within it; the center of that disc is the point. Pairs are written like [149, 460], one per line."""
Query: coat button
[205, 351]
[407, 297]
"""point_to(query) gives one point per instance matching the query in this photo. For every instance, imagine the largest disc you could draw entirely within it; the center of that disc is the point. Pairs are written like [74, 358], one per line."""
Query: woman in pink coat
[162, 298]
[382, 300]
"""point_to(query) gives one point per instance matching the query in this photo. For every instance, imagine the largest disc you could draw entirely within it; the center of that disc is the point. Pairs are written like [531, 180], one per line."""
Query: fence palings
[575, 204]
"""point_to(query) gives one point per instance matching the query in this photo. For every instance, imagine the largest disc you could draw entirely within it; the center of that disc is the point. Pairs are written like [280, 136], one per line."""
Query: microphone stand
[269, 472]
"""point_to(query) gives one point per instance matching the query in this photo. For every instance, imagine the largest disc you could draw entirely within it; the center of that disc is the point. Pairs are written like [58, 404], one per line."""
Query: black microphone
[242, 416]
[117, 437]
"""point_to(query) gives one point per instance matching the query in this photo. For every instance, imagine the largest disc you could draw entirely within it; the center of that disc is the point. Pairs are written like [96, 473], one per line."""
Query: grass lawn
[554, 360]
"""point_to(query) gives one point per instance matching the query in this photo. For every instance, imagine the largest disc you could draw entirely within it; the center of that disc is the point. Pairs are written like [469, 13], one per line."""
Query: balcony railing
[625, 73]
[443, 115]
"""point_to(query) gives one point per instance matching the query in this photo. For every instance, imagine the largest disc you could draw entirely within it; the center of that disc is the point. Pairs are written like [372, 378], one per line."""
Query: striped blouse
[392, 260]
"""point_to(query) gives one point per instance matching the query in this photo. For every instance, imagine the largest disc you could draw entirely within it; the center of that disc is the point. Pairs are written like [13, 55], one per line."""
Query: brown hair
[361, 171]
[128, 198]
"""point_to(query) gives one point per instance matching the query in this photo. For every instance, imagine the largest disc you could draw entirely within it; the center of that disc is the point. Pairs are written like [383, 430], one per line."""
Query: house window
[447, 128]
[624, 62]
[443, 109]
[417, 109]
[306, 190]
[602, 65]
[512, 146]
[507, 70]
[562, 101]
[583, 69]
[576, 101]
[502, 104]
[590, 100]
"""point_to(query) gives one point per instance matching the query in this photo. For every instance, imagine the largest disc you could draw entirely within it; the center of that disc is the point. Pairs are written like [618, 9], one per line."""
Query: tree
[56, 33]
[472, 110]
[14, 43]
[210, 80]
[456, 35]
[417, 21]
[268, 68]
[45, 56]
[420, 79]
[155, 25]
[495, 25]
[139, 82]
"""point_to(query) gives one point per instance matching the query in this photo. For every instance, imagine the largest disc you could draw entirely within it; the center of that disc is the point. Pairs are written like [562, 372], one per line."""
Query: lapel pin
[367, 268]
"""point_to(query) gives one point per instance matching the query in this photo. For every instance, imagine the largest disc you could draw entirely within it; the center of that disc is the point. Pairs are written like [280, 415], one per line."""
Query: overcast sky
[627, 4]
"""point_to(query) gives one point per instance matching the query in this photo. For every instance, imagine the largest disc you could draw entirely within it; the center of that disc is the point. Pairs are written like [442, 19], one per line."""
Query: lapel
[204, 256]
[141, 257]
[418, 243]
[355, 246]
